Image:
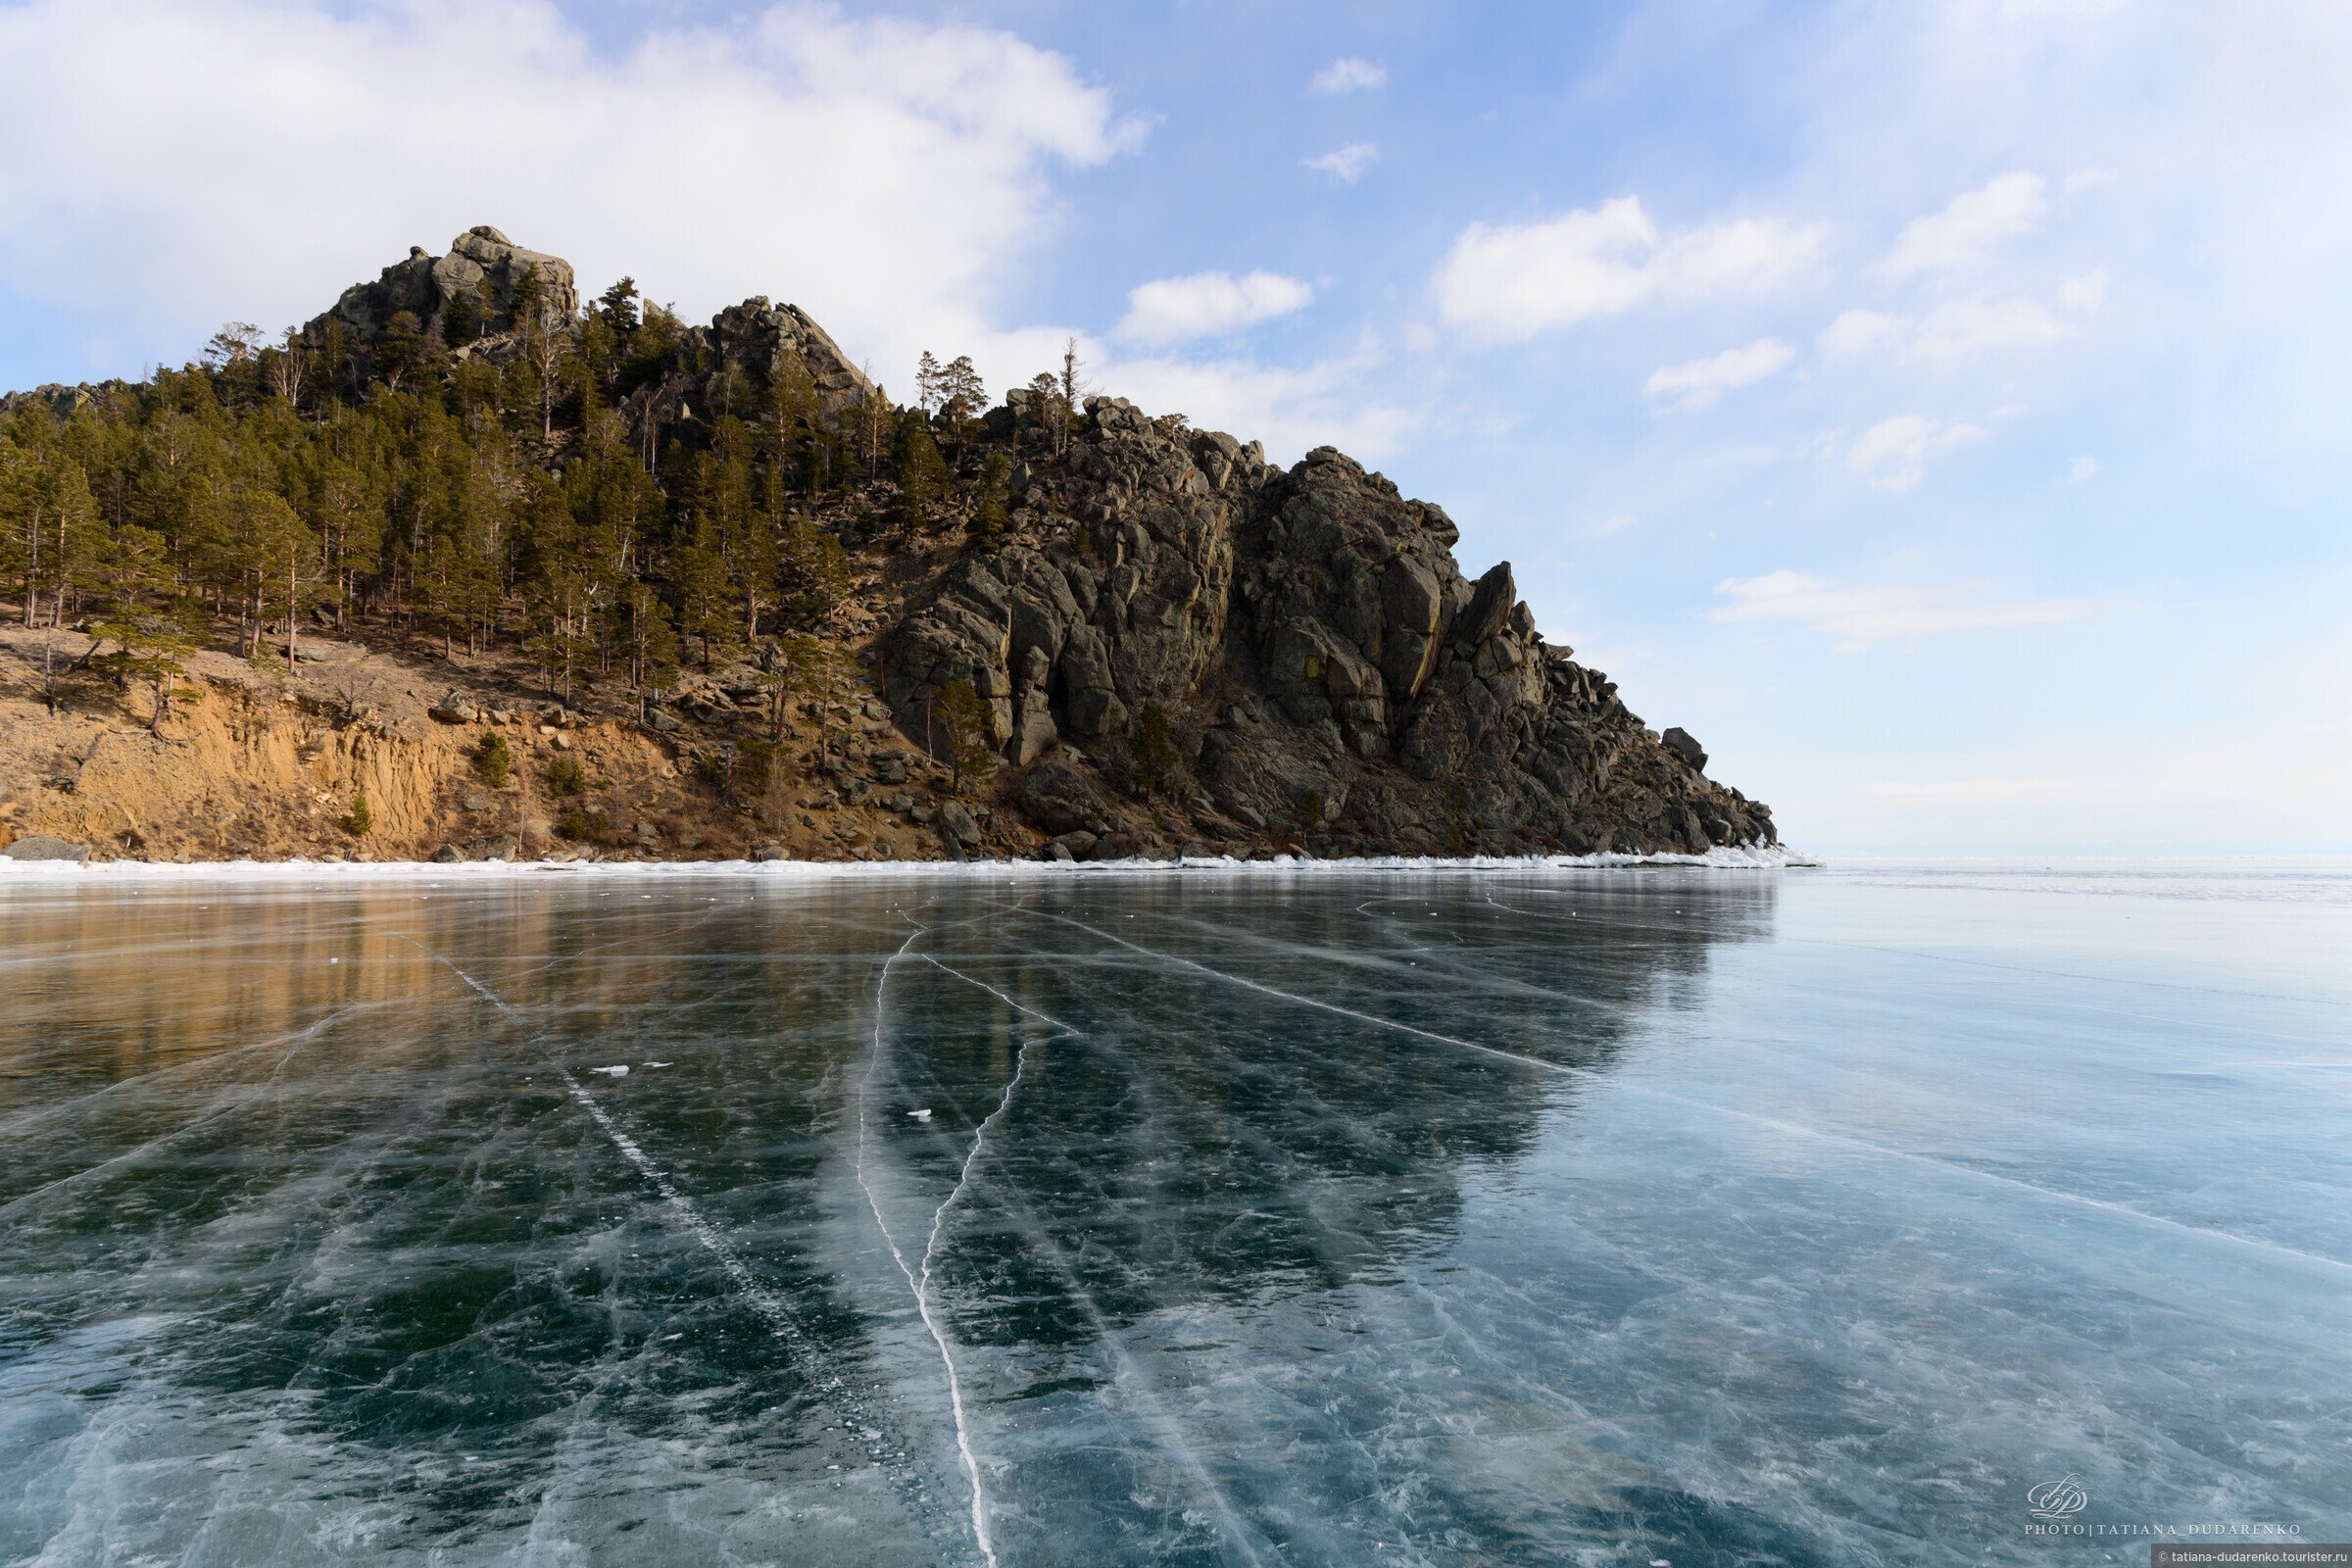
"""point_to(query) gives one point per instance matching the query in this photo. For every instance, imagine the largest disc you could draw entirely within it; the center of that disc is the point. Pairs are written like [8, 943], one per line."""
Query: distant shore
[49, 872]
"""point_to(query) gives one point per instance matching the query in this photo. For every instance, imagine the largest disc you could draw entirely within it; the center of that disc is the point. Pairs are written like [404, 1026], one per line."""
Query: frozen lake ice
[1493, 1217]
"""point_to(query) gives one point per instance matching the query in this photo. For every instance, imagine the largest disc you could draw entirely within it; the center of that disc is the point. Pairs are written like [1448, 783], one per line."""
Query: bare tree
[234, 344]
[290, 367]
[544, 334]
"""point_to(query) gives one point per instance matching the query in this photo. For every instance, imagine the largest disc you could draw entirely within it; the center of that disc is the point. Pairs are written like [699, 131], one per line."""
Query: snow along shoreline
[1761, 858]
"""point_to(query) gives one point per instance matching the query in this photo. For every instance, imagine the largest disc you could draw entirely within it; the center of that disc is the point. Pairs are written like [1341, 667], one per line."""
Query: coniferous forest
[518, 490]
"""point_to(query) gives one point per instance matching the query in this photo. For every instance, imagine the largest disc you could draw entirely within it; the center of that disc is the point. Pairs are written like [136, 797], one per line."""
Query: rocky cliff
[1310, 652]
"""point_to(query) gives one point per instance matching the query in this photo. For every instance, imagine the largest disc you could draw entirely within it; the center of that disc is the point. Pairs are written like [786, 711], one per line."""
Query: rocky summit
[1308, 650]
[523, 572]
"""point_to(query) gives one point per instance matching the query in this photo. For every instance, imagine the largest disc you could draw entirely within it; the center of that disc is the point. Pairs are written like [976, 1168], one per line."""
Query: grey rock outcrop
[1306, 644]
[740, 361]
[1684, 745]
[473, 300]
[483, 268]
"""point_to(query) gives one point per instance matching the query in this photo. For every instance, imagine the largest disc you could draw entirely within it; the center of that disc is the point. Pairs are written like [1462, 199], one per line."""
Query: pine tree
[1048, 412]
[963, 399]
[461, 319]
[19, 527]
[1074, 389]
[76, 533]
[152, 645]
[651, 644]
[815, 570]
[989, 515]
[698, 575]
[923, 479]
[560, 612]
[400, 349]
[617, 305]
[965, 725]
[793, 412]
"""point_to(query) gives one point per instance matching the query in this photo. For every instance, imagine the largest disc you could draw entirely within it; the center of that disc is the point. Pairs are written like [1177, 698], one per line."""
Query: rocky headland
[1090, 633]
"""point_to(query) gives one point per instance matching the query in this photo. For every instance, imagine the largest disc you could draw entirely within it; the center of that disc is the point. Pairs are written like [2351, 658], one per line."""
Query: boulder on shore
[40, 847]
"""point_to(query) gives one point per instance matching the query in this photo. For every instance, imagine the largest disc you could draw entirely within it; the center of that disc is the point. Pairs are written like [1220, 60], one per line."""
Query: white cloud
[249, 158]
[1969, 329]
[1292, 410]
[1955, 331]
[1509, 282]
[1975, 221]
[1349, 73]
[1171, 310]
[2083, 467]
[1858, 332]
[1698, 383]
[2084, 293]
[1347, 164]
[1893, 454]
[1860, 614]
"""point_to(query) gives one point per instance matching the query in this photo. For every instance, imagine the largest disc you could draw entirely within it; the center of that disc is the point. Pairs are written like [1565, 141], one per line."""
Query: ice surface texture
[1525, 1215]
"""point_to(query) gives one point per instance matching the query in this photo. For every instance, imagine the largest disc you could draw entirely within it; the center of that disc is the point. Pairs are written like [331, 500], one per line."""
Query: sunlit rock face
[481, 278]
[1330, 677]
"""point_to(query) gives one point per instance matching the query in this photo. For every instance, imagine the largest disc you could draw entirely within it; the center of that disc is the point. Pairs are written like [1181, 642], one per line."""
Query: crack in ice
[226, 1102]
[770, 1310]
[921, 1285]
[1165, 1427]
[1794, 1129]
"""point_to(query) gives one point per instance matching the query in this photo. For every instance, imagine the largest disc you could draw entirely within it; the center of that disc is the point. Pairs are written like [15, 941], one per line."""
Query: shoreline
[1774, 858]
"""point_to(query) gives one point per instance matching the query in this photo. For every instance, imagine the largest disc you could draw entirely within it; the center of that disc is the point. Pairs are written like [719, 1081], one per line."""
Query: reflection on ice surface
[1506, 1217]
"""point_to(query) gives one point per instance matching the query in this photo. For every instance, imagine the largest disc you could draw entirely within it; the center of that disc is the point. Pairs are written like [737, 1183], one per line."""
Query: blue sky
[1935, 406]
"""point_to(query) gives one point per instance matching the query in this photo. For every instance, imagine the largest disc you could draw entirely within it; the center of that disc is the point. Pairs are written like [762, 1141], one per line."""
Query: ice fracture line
[919, 1284]
[770, 1310]
[1794, 1129]
[1165, 1427]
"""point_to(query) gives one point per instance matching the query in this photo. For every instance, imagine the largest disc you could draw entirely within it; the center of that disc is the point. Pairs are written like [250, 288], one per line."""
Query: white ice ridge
[920, 1283]
[1793, 1129]
[1748, 858]
[770, 1310]
[1171, 1435]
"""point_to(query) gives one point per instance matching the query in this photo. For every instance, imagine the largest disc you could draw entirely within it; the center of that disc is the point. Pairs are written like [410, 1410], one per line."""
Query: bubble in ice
[920, 1115]
[617, 1070]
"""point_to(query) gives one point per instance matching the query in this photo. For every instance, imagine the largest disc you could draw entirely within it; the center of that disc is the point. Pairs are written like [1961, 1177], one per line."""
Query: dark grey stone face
[1322, 664]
